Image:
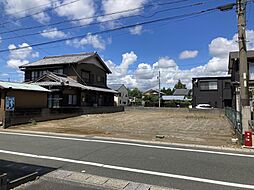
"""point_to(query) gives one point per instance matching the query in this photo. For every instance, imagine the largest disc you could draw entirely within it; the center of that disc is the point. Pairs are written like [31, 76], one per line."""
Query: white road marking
[131, 144]
[161, 174]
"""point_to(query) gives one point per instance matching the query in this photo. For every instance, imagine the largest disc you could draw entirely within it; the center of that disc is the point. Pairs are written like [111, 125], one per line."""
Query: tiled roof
[153, 91]
[67, 81]
[172, 97]
[115, 86]
[64, 59]
[233, 55]
[55, 60]
[181, 92]
[22, 86]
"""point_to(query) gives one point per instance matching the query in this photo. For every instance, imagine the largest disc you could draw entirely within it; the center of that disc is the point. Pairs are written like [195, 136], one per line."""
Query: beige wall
[29, 99]
[1, 105]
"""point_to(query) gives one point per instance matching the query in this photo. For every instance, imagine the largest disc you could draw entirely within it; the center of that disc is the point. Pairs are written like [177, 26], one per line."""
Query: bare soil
[176, 125]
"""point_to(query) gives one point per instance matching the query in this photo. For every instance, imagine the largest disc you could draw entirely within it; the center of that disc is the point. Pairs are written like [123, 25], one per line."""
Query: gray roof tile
[67, 81]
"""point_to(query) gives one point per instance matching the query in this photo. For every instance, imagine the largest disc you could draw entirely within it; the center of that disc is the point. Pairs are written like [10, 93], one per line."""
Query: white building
[122, 98]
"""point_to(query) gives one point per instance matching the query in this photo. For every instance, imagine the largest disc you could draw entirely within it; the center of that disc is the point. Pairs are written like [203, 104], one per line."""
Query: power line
[114, 29]
[96, 23]
[39, 12]
[96, 16]
[42, 5]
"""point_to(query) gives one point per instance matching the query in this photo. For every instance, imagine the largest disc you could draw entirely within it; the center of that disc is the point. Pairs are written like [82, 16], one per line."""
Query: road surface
[162, 165]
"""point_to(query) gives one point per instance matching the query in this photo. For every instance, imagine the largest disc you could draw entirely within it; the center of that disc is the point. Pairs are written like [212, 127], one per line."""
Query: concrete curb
[98, 181]
[242, 149]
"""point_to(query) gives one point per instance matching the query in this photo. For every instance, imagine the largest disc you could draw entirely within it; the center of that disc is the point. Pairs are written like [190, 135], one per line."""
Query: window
[85, 76]
[208, 85]
[251, 71]
[34, 75]
[42, 72]
[58, 71]
[227, 85]
[100, 79]
[72, 99]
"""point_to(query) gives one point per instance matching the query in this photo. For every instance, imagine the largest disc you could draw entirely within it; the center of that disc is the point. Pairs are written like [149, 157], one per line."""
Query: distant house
[76, 80]
[214, 90]
[233, 70]
[122, 97]
[174, 98]
[182, 92]
[153, 92]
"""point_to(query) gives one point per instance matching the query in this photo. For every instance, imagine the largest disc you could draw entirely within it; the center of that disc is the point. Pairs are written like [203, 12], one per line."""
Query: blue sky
[179, 48]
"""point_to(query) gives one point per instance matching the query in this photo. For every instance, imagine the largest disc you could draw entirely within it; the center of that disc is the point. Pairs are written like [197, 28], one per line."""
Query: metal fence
[251, 125]
[235, 118]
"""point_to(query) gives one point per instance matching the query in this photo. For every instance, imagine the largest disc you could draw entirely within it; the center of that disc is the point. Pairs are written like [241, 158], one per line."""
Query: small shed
[21, 96]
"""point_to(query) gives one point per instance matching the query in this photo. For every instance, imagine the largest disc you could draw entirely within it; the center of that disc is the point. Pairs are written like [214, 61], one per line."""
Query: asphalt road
[169, 166]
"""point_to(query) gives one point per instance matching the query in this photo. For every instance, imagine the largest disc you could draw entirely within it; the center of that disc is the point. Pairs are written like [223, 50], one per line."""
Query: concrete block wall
[21, 116]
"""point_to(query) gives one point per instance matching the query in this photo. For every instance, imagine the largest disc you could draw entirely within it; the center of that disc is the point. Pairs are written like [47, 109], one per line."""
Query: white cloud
[15, 8]
[137, 30]
[20, 56]
[165, 62]
[53, 33]
[78, 10]
[220, 47]
[114, 6]
[144, 71]
[94, 40]
[0, 39]
[188, 54]
[144, 76]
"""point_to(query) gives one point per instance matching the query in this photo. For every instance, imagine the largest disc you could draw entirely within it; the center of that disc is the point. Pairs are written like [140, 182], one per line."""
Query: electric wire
[93, 17]
[114, 29]
[96, 23]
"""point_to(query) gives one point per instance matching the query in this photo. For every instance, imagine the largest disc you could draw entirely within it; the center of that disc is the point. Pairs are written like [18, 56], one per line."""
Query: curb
[98, 181]
[242, 149]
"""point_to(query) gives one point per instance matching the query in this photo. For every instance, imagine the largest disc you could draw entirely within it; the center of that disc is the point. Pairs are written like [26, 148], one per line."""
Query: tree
[180, 85]
[135, 93]
[167, 91]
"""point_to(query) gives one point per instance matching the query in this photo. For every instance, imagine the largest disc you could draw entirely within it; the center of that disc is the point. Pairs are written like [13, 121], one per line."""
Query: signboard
[9, 103]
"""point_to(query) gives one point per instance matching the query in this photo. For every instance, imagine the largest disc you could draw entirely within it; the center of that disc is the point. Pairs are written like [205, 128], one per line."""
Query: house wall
[216, 98]
[123, 97]
[28, 99]
[28, 71]
[93, 67]
[2, 113]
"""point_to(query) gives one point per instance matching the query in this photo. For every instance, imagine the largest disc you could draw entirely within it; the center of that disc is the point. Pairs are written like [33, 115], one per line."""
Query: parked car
[204, 106]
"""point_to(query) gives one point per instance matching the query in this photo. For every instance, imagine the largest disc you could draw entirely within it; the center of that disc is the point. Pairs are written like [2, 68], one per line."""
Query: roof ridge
[70, 55]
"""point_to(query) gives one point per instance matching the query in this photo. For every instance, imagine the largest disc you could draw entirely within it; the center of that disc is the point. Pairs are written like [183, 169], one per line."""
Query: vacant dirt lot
[177, 125]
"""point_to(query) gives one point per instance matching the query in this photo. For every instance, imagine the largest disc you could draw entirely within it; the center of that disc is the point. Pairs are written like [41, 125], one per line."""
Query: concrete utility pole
[159, 77]
[243, 64]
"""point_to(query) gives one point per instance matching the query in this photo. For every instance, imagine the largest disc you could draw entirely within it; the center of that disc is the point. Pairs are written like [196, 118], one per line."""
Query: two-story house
[213, 90]
[233, 69]
[122, 97]
[75, 80]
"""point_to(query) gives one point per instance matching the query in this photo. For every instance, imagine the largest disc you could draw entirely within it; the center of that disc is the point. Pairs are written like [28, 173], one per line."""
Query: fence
[251, 125]
[235, 118]
[33, 115]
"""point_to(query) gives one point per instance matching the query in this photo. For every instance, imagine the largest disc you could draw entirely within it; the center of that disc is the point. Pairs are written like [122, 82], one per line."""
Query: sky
[185, 44]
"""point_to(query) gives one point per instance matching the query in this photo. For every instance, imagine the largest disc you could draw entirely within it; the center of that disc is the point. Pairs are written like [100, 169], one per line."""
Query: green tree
[167, 91]
[179, 85]
[135, 92]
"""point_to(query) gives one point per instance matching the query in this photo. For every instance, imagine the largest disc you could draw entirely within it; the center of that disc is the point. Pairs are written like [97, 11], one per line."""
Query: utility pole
[159, 77]
[243, 64]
